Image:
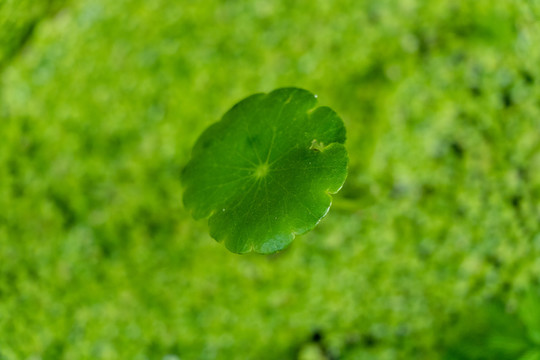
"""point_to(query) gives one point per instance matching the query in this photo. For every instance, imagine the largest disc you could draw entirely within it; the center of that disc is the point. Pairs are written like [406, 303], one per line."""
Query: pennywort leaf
[265, 172]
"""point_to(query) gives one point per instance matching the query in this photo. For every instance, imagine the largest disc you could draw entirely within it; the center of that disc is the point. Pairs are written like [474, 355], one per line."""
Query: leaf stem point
[261, 170]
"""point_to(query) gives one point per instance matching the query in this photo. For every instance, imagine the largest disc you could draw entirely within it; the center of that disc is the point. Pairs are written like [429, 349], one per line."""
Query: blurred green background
[431, 250]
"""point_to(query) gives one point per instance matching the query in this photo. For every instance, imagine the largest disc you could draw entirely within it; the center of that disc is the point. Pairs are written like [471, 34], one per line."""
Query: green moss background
[101, 101]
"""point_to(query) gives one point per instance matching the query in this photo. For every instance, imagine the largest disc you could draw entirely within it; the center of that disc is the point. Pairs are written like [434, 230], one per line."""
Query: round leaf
[265, 172]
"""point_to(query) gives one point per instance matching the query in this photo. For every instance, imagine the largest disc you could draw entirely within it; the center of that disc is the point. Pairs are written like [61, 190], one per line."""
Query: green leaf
[265, 172]
[529, 312]
[531, 355]
[487, 332]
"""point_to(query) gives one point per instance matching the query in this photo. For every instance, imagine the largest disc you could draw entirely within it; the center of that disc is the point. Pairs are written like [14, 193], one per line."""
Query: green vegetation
[100, 105]
[257, 174]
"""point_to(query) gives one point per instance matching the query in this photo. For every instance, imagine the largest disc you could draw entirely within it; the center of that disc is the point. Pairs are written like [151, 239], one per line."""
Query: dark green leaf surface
[265, 172]
[530, 314]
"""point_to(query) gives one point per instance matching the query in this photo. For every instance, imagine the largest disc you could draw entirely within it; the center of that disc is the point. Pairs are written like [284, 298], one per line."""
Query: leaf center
[262, 170]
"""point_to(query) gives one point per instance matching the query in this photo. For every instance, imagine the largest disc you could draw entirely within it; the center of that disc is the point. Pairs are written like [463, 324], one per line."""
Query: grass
[101, 102]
